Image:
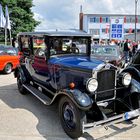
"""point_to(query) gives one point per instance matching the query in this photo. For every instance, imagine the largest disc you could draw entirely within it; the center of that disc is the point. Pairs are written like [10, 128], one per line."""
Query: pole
[136, 1]
[10, 37]
[5, 35]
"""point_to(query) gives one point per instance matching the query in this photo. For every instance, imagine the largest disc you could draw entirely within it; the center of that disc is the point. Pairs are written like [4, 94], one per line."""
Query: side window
[1, 52]
[11, 52]
[25, 42]
[25, 45]
[38, 44]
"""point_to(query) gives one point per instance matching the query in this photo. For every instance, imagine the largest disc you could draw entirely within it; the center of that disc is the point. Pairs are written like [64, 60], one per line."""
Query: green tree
[20, 14]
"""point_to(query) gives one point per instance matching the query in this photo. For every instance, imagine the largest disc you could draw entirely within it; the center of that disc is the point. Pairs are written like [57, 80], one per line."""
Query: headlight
[92, 85]
[126, 79]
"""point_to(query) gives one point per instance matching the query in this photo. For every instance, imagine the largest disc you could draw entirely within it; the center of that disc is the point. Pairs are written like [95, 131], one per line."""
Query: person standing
[14, 42]
[126, 51]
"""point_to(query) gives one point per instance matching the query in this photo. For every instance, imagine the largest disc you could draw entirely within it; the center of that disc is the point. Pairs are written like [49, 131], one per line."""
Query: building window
[128, 19]
[138, 19]
[107, 20]
[97, 19]
[91, 20]
[132, 19]
[103, 19]
[103, 30]
[94, 31]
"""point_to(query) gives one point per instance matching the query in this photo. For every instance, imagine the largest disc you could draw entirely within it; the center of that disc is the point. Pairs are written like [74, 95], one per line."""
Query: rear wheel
[8, 68]
[71, 117]
[21, 88]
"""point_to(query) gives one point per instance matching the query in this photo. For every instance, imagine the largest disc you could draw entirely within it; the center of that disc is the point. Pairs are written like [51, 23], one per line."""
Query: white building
[99, 24]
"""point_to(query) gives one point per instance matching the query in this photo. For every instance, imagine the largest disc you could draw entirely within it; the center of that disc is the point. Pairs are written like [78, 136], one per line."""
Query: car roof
[63, 33]
[6, 47]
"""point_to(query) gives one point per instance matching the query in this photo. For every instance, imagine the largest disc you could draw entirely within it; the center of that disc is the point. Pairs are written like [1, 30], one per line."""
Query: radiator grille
[106, 81]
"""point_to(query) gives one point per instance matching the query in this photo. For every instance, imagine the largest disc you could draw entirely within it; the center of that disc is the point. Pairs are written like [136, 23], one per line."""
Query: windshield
[68, 46]
[104, 51]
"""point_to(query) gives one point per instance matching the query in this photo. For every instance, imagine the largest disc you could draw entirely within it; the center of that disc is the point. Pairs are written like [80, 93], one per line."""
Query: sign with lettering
[117, 29]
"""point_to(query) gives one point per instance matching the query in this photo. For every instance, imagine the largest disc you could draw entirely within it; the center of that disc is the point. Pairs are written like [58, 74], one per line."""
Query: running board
[43, 98]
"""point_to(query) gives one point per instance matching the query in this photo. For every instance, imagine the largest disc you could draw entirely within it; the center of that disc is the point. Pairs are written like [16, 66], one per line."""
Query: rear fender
[20, 71]
[16, 72]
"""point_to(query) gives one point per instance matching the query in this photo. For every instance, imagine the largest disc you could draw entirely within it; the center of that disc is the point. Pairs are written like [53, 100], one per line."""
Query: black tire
[21, 89]
[7, 68]
[71, 118]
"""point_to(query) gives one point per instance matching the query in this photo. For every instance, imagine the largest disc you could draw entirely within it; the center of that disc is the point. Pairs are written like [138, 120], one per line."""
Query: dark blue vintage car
[56, 67]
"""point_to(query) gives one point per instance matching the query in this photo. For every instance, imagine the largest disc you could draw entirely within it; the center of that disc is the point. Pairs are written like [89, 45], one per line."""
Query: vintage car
[9, 58]
[133, 67]
[89, 92]
[109, 53]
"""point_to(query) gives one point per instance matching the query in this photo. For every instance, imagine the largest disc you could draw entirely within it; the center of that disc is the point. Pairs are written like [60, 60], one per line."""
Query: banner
[8, 25]
[2, 18]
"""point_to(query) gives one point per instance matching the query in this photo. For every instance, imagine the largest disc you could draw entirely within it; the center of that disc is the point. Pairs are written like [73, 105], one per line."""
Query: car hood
[76, 62]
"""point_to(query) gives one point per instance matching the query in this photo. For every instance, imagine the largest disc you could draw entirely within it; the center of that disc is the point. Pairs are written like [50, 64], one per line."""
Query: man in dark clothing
[13, 42]
[126, 51]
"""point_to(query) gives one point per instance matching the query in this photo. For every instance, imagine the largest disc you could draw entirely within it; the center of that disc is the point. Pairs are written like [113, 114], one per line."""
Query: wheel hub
[69, 117]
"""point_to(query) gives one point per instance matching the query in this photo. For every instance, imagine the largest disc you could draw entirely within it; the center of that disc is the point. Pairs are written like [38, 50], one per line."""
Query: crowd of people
[128, 47]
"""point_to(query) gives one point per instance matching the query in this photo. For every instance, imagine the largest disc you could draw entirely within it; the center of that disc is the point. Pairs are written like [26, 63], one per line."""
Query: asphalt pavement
[24, 117]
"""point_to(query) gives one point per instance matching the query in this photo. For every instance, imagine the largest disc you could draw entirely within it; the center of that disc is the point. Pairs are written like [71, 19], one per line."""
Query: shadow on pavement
[48, 121]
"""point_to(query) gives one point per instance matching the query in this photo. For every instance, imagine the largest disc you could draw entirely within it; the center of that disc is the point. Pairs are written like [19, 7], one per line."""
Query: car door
[37, 64]
[40, 66]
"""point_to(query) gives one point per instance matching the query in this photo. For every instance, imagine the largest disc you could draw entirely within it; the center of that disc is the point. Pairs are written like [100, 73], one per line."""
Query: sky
[64, 14]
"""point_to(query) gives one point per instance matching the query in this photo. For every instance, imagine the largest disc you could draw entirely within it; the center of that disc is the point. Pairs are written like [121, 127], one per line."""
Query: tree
[21, 16]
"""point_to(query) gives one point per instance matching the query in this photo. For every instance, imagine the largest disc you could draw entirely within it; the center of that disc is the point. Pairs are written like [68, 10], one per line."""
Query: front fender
[135, 86]
[133, 71]
[82, 99]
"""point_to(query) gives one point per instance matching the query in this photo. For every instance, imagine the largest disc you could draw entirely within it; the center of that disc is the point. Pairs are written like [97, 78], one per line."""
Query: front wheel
[72, 119]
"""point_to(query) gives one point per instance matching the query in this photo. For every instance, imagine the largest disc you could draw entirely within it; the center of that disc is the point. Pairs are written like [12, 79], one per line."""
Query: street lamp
[136, 1]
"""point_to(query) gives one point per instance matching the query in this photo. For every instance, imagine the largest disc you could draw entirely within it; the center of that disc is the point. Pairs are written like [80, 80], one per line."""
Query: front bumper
[112, 120]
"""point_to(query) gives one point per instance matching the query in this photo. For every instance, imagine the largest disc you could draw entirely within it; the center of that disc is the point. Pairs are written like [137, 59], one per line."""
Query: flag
[2, 18]
[8, 25]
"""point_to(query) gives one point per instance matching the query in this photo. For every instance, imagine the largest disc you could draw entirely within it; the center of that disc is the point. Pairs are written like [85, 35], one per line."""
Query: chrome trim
[107, 90]
[111, 120]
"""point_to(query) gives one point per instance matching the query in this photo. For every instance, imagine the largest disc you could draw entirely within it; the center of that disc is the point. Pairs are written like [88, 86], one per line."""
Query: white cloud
[65, 13]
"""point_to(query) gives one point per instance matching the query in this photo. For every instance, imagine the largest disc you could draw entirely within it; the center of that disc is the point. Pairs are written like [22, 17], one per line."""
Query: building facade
[99, 25]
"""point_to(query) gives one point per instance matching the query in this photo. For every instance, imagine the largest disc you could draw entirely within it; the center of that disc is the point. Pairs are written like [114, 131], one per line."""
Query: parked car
[109, 53]
[133, 67]
[89, 92]
[9, 58]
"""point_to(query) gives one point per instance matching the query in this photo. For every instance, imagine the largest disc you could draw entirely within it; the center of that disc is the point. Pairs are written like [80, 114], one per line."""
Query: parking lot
[26, 118]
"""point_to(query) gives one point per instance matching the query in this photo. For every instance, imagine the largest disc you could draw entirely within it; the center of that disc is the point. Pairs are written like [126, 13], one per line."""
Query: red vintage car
[9, 58]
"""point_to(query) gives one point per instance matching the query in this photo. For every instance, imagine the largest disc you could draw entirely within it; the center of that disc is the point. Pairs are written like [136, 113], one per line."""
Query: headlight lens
[126, 80]
[92, 85]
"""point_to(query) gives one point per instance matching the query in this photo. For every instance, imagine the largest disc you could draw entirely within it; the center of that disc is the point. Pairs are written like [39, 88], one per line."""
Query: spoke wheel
[71, 118]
